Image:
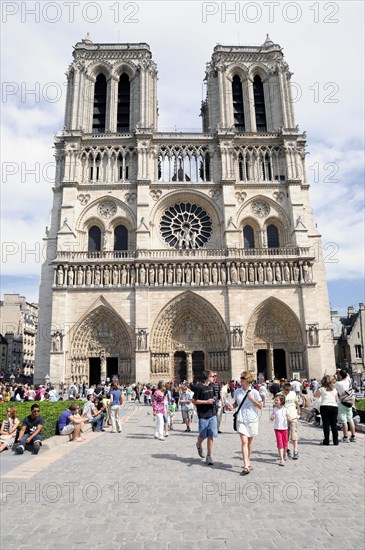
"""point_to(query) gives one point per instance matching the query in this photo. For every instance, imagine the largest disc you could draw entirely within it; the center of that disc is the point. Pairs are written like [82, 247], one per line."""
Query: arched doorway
[180, 372]
[101, 347]
[274, 341]
[198, 365]
[189, 331]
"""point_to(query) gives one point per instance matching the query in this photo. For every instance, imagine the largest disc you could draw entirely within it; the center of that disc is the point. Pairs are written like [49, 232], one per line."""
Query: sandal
[245, 471]
[250, 468]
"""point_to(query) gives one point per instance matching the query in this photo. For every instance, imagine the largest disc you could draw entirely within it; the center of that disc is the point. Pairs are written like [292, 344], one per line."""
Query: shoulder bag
[238, 410]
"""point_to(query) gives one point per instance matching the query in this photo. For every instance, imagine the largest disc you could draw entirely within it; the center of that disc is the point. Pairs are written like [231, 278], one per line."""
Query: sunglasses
[243, 378]
[36, 411]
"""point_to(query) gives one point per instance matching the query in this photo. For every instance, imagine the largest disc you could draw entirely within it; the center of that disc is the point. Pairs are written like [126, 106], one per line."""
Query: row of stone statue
[296, 361]
[184, 273]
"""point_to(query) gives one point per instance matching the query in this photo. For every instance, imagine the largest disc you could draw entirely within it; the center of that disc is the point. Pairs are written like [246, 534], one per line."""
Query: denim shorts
[208, 427]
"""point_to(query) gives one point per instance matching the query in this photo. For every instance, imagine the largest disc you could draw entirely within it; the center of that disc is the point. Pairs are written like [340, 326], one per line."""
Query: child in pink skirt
[280, 416]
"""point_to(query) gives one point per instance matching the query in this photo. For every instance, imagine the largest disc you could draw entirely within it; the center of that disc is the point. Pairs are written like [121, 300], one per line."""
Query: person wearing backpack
[346, 397]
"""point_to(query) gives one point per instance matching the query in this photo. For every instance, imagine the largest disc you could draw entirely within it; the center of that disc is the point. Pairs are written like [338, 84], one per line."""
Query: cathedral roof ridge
[87, 43]
[237, 48]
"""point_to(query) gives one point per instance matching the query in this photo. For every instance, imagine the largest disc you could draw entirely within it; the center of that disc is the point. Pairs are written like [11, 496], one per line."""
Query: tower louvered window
[238, 112]
[259, 100]
[123, 104]
[99, 114]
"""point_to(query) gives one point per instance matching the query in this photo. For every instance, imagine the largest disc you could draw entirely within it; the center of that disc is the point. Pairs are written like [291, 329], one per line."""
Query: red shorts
[282, 439]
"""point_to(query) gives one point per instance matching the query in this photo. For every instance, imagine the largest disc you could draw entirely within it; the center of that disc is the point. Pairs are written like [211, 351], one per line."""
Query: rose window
[186, 225]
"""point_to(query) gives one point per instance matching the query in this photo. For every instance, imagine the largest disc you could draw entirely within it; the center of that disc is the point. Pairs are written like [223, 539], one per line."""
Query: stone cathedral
[170, 253]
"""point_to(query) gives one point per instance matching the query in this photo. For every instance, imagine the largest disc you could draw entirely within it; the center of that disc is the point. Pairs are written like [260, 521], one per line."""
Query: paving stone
[180, 502]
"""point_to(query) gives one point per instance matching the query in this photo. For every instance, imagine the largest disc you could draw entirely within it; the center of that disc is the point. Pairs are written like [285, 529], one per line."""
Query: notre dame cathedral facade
[170, 253]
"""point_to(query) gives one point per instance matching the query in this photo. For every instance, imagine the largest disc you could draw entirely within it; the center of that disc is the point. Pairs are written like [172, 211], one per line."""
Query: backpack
[347, 398]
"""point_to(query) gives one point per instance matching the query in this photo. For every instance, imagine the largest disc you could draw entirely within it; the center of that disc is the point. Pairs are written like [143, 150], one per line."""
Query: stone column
[189, 366]
[270, 362]
[250, 120]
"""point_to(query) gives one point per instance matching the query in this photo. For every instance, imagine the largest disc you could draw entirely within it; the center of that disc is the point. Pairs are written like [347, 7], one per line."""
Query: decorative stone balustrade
[184, 273]
[173, 254]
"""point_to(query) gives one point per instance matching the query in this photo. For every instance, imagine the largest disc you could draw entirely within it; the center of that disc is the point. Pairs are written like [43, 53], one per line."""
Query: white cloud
[319, 53]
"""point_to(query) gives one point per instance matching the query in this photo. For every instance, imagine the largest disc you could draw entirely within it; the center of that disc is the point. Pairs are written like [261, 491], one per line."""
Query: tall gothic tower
[169, 253]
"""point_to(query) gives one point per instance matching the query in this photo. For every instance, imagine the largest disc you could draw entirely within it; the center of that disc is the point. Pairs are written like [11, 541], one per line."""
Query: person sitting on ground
[30, 432]
[306, 399]
[70, 422]
[92, 415]
[315, 416]
[8, 429]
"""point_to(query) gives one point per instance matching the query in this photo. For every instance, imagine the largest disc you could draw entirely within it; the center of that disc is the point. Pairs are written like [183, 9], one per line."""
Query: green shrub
[360, 404]
[50, 412]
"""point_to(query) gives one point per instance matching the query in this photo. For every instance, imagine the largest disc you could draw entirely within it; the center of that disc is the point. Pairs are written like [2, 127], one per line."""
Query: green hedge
[50, 412]
[360, 404]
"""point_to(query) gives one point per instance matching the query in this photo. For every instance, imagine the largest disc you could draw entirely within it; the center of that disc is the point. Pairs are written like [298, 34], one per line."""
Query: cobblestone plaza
[132, 491]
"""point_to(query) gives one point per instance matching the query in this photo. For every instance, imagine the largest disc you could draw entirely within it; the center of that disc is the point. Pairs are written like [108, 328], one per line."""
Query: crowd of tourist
[329, 403]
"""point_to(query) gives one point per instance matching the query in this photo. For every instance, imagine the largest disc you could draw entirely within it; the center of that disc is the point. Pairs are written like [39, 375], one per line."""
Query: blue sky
[322, 44]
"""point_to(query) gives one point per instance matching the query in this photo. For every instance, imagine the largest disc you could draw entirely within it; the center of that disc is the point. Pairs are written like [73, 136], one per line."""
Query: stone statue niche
[312, 335]
[57, 341]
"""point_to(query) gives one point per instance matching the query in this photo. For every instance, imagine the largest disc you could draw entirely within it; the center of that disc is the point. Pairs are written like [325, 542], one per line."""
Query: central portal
[94, 370]
[198, 365]
[180, 372]
[111, 367]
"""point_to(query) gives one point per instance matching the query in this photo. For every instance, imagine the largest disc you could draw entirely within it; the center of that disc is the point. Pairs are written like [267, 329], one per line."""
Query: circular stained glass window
[186, 225]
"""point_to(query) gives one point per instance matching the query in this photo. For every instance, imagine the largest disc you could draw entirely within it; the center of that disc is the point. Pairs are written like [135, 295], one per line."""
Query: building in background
[173, 252]
[3, 355]
[18, 325]
[349, 337]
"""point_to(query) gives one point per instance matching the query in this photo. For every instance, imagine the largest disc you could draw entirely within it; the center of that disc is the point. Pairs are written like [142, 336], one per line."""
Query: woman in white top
[8, 429]
[328, 408]
[248, 417]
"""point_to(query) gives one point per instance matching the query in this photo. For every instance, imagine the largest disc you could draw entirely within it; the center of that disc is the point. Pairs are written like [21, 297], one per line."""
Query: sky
[323, 43]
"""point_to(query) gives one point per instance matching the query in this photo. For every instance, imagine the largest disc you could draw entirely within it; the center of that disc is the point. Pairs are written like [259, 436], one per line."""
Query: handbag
[238, 410]
[121, 399]
[347, 398]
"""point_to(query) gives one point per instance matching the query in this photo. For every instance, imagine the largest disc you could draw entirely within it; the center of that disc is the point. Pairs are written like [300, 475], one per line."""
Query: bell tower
[111, 88]
[248, 89]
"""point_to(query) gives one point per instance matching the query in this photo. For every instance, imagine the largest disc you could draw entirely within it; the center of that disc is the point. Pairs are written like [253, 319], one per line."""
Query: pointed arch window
[266, 168]
[259, 100]
[238, 112]
[94, 243]
[124, 93]
[120, 238]
[243, 168]
[273, 236]
[99, 113]
[248, 237]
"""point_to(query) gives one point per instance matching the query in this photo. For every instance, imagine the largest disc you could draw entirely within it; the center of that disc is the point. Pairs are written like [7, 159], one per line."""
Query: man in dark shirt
[205, 405]
[30, 432]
